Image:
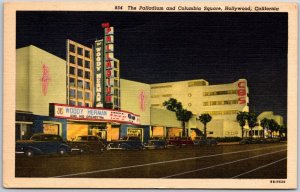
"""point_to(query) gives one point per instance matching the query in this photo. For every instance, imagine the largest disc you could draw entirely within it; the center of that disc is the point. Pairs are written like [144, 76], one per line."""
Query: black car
[87, 144]
[156, 143]
[126, 143]
[42, 144]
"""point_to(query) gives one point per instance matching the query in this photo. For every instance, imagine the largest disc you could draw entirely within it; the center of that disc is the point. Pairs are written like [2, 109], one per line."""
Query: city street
[223, 161]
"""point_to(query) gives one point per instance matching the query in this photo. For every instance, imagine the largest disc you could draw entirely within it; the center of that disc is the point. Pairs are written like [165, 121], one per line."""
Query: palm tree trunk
[205, 135]
[242, 132]
[183, 128]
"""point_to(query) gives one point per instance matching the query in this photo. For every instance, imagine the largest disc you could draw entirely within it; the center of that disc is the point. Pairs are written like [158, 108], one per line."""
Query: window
[72, 93]
[80, 73]
[87, 85]
[79, 104]
[72, 70]
[79, 62]
[87, 96]
[36, 138]
[72, 103]
[79, 96]
[87, 104]
[87, 64]
[116, 83]
[80, 84]
[163, 86]
[72, 59]
[72, 82]
[72, 48]
[115, 65]
[79, 51]
[115, 73]
[87, 53]
[87, 75]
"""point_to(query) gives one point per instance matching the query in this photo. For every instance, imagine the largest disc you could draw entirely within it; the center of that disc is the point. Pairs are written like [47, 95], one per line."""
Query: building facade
[222, 102]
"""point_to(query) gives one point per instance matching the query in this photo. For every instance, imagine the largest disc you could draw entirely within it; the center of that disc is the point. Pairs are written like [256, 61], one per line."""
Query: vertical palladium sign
[98, 73]
[109, 63]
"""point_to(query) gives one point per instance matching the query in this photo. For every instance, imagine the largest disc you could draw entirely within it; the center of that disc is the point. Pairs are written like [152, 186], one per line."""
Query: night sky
[162, 47]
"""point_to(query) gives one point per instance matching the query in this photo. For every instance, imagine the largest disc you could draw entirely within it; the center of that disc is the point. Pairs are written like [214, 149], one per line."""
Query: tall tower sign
[107, 86]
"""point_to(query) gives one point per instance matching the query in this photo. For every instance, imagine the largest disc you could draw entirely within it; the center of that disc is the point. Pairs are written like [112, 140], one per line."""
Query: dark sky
[161, 47]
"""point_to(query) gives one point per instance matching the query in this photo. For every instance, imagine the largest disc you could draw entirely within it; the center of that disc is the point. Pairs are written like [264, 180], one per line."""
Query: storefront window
[79, 104]
[51, 128]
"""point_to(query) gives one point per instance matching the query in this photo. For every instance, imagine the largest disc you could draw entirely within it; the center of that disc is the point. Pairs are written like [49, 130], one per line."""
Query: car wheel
[62, 151]
[29, 153]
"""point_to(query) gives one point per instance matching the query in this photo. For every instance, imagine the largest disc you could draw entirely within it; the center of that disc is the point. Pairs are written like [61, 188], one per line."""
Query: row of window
[79, 103]
[79, 95]
[228, 112]
[196, 83]
[79, 72]
[79, 61]
[80, 84]
[165, 95]
[220, 92]
[79, 50]
[162, 86]
[228, 102]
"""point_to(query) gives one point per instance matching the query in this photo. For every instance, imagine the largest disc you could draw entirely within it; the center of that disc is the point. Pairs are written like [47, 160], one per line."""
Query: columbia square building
[222, 102]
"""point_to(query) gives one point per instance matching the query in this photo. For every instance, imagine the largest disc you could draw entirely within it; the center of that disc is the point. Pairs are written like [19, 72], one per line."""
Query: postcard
[141, 95]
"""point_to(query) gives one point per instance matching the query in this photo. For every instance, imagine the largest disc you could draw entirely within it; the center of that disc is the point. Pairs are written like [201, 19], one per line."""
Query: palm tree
[172, 105]
[182, 115]
[205, 118]
[252, 121]
[273, 126]
[242, 118]
[265, 123]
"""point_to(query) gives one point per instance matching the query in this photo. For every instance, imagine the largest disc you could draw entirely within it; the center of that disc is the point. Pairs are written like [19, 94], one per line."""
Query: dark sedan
[42, 144]
[87, 144]
[126, 143]
[156, 143]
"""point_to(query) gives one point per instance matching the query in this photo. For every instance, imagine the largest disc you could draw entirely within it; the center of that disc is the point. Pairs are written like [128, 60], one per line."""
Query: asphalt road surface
[267, 161]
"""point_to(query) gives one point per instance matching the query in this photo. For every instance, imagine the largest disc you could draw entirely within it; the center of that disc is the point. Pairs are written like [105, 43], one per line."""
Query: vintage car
[126, 143]
[156, 143]
[180, 141]
[41, 143]
[201, 141]
[87, 144]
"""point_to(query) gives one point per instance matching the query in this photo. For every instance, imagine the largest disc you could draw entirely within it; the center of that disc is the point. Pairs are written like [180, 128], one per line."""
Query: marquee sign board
[92, 114]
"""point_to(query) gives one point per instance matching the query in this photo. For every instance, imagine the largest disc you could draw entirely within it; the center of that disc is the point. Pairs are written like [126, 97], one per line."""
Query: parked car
[87, 144]
[180, 141]
[126, 143]
[42, 144]
[156, 143]
[201, 141]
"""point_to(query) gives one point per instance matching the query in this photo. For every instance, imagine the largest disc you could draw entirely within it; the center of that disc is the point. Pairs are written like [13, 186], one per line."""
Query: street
[224, 161]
